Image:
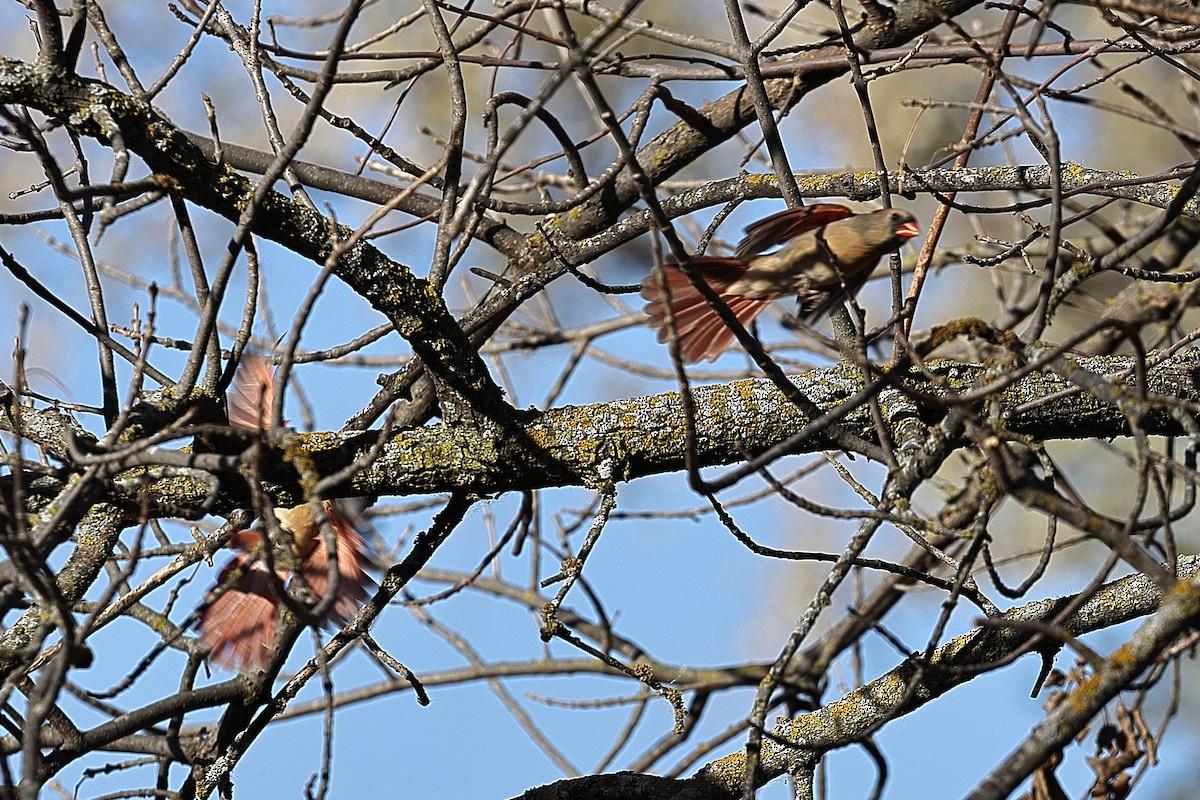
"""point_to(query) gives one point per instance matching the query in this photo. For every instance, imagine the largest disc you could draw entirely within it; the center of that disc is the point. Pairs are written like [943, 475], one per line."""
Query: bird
[827, 254]
[239, 615]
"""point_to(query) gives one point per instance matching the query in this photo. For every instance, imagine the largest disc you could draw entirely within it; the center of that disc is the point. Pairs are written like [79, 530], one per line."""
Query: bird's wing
[779, 228]
[353, 559]
[817, 300]
[238, 626]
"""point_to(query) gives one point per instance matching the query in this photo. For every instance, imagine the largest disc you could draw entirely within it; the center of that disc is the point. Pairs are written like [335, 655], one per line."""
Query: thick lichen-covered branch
[627, 439]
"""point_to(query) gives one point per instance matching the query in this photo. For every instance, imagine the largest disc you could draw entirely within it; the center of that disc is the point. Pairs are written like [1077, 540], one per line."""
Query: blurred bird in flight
[238, 624]
[827, 255]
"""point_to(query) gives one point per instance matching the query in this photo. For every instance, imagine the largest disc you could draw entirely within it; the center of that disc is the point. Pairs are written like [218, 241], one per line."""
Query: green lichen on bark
[574, 445]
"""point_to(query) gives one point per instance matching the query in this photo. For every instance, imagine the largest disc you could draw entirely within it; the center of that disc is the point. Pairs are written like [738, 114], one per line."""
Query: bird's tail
[701, 333]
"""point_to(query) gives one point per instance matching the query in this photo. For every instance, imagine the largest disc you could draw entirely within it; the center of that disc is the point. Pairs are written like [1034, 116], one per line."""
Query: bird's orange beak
[908, 230]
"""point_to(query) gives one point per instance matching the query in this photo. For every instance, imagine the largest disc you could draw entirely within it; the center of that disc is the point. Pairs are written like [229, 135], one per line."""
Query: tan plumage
[828, 252]
[237, 625]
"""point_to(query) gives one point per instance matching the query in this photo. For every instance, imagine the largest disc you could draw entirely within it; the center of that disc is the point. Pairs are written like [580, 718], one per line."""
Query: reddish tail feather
[701, 333]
